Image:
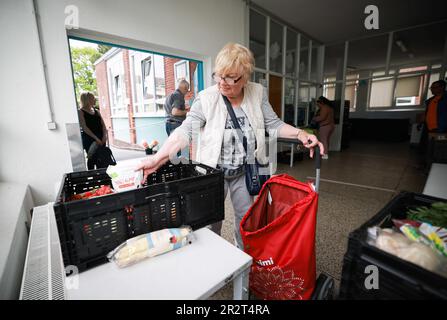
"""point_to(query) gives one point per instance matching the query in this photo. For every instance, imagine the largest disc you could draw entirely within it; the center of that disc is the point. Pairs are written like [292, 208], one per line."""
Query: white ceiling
[331, 21]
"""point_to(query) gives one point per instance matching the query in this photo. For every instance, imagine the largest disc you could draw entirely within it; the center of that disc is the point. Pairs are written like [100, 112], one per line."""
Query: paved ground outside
[124, 154]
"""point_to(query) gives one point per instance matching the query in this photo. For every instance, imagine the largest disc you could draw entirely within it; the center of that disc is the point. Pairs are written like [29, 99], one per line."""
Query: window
[409, 90]
[413, 69]
[118, 103]
[149, 84]
[276, 47]
[314, 62]
[381, 93]
[382, 73]
[368, 53]
[411, 44]
[333, 60]
[260, 78]
[289, 102]
[306, 102]
[329, 91]
[181, 71]
[118, 94]
[160, 82]
[146, 65]
[304, 58]
[402, 89]
[258, 35]
[351, 94]
[281, 61]
[291, 53]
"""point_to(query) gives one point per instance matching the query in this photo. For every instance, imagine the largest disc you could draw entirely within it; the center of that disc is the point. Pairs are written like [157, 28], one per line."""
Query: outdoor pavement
[124, 154]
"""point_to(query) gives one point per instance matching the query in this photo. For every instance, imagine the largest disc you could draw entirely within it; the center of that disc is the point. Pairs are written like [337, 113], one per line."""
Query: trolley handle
[317, 156]
[317, 168]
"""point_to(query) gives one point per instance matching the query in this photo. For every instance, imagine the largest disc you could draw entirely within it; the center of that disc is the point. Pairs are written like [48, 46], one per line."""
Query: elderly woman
[219, 145]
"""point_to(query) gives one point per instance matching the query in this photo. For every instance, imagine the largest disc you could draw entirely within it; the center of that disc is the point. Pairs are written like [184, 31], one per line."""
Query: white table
[436, 184]
[195, 271]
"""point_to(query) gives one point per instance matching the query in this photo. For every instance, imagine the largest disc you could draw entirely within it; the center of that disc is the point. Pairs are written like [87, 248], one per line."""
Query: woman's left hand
[310, 141]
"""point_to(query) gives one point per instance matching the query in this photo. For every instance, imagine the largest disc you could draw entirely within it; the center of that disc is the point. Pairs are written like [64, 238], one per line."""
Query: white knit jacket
[215, 111]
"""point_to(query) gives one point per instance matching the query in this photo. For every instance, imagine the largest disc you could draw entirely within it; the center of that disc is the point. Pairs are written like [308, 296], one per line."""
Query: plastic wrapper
[123, 175]
[391, 242]
[435, 237]
[150, 245]
[418, 253]
[101, 191]
[414, 234]
[91, 151]
[399, 223]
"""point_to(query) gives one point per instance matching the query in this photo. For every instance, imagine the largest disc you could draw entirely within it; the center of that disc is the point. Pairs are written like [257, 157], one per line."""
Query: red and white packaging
[124, 177]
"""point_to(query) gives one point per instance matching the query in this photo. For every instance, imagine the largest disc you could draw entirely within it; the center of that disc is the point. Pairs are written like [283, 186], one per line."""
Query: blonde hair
[85, 98]
[234, 55]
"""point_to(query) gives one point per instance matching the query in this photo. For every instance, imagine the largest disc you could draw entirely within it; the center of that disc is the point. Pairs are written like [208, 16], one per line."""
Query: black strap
[235, 123]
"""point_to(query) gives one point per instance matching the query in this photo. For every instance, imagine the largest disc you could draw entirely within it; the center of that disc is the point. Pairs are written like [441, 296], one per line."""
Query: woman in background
[325, 120]
[93, 128]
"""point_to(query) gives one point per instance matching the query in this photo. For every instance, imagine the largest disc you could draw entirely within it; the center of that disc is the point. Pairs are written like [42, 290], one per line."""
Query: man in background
[436, 108]
[175, 107]
[434, 120]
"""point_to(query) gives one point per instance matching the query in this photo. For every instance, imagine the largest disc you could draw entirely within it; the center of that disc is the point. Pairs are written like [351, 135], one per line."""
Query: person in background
[175, 107]
[93, 129]
[219, 145]
[326, 124]
[433, 120]
[436, 108]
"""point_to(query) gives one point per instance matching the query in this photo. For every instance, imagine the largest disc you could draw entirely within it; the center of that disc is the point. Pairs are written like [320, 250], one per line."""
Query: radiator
[43, 274]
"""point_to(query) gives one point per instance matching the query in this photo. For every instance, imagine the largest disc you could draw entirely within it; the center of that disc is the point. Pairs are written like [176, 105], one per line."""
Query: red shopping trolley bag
[278, 231]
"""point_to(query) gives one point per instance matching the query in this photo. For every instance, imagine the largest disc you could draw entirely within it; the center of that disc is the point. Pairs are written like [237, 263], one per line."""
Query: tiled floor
[357, 183]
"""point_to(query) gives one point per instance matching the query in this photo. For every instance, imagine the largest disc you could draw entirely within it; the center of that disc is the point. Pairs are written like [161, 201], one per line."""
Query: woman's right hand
[99, 142]
[149, 165]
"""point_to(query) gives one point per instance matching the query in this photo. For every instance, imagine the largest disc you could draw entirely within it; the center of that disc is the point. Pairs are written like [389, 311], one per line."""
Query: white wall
[34, 155]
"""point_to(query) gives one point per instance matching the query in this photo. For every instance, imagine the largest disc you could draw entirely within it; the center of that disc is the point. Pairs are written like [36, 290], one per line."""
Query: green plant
[436, 214]
[83, 59]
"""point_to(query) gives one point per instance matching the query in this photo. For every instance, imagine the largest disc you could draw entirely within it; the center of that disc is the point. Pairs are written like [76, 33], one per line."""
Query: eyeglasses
[228, 80]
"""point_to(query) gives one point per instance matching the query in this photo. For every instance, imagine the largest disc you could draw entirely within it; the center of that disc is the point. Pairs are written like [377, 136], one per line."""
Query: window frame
[187, 76]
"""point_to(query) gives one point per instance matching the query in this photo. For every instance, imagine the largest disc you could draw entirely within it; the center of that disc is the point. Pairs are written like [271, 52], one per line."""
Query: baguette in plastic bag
[150, 245]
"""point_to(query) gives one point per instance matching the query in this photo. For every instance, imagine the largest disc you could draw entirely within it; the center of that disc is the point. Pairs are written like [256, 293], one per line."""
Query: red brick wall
[170, 81]
[103, 91]
[128, 88]
[104, 98]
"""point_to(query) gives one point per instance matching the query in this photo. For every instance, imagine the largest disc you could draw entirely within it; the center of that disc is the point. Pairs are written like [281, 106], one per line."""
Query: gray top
[233, 152]
[232, 155]
[174, 100]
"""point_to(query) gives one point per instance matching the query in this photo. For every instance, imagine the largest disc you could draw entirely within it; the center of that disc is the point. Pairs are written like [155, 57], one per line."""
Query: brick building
[132, 88]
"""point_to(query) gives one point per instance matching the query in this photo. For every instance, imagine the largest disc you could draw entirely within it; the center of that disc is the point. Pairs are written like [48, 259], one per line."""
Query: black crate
[175, 195]
[398, 279]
